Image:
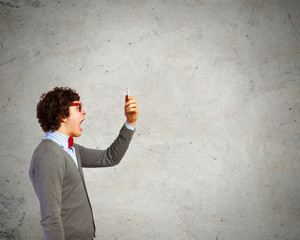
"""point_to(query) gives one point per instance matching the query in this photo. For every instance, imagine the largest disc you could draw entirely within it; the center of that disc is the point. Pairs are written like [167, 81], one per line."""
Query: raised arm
[109, 157]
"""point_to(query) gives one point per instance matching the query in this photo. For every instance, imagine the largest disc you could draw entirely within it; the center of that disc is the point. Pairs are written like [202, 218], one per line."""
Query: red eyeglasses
[79, 106]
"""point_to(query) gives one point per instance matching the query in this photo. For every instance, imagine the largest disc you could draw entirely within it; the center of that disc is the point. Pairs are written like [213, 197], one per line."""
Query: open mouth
[80, 124]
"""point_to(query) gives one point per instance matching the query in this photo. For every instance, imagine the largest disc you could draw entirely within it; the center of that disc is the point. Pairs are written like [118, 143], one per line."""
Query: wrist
[130, 127]
[131, 123]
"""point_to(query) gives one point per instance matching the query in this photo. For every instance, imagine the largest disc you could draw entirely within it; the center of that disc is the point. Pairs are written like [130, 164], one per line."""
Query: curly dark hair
[53, 106]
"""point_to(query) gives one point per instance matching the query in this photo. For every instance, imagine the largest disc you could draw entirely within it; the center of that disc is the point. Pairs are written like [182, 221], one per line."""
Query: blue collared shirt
[63, 141]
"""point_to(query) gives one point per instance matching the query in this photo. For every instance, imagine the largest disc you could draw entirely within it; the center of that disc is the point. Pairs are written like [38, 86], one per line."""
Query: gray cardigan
[66, 212]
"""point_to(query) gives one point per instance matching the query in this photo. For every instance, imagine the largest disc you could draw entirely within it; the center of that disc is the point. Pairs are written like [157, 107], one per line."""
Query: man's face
[76, 117]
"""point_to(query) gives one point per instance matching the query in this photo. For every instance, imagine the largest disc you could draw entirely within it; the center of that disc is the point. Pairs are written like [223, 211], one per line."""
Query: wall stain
[8, 206]
[10, 234]
[9, 61]
[8, 4]
[21, 220]
[33, 3]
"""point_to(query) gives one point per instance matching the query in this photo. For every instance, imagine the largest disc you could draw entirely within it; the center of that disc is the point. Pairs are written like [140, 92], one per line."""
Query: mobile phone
[127, 94]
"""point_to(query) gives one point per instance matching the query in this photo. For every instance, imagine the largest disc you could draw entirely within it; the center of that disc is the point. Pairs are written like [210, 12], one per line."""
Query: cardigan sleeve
[109, 157]
[47, 179]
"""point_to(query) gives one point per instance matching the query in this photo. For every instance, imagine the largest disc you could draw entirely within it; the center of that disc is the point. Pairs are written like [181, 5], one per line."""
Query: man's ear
[62, 119]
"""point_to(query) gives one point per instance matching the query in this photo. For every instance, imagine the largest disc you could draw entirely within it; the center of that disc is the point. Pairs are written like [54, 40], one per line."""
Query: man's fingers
[130, 103]
[131, 109]
[129, 99]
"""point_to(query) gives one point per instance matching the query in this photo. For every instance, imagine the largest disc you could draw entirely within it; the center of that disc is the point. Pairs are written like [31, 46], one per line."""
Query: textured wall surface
[216, 154]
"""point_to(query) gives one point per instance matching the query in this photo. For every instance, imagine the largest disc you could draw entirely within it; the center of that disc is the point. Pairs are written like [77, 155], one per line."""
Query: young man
[56, 165]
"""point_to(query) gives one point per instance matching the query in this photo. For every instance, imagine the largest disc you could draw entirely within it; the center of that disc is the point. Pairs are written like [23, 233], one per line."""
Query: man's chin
[78, 134]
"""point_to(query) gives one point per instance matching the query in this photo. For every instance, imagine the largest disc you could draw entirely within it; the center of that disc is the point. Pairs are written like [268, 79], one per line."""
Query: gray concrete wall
[216, 154]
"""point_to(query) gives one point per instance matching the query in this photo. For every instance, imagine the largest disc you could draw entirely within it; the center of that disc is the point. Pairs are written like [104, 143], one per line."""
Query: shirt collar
[57, 137]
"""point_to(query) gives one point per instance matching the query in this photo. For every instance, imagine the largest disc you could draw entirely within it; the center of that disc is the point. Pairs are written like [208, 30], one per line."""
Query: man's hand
[131, 110]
